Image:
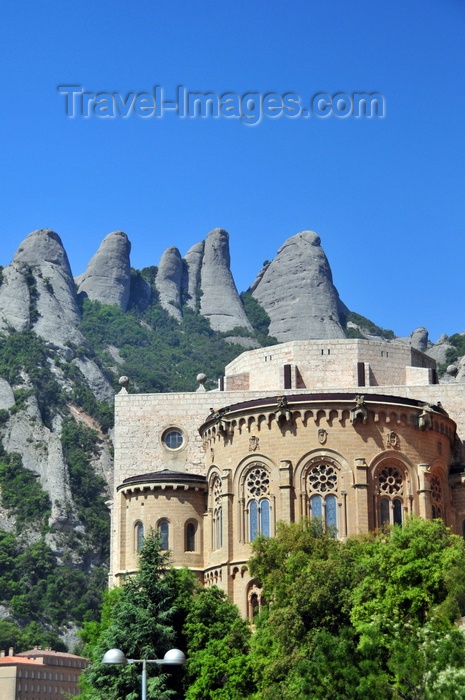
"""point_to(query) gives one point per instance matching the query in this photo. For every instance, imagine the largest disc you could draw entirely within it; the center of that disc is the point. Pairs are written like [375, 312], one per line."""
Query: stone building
[39, 674]
[356, 432]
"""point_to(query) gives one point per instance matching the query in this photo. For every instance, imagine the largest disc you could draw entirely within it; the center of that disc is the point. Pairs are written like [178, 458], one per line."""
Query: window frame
[161, 525]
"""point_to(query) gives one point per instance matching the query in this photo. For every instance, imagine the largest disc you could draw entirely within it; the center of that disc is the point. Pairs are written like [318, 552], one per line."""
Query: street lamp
[173, 657]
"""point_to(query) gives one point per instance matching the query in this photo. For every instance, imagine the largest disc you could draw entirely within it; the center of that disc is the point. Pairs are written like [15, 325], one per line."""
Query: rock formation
[439, 349]
[108, 275]
[191, 278]
[38, 291]
[418, 339]
[7, 397]
[168, 282]
[220, 303]
[100, 387]
[297, 292]
[41, 453]
[14, 298]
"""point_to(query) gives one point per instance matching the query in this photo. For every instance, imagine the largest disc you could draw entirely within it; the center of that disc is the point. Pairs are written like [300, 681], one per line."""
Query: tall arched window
[216, 490]
[139, 537]
[322, 490]
[391, 495]
[436, 497]
[257, 486]
[164, 530]
[190, 537]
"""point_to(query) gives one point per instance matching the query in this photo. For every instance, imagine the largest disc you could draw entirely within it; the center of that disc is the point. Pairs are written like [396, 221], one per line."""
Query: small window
[163, 529]
[173, 439]
[139, 537]
[190, 537]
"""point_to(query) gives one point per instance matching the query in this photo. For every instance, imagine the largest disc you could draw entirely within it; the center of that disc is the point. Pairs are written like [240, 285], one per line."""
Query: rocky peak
[220, 302]
[38, 290]
[41, 247]
[296, 290]
[191, 278]
[108, 275]
[168, 282]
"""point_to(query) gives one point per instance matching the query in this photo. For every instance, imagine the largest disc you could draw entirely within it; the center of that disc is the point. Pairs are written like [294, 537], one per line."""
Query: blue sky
[385, 195]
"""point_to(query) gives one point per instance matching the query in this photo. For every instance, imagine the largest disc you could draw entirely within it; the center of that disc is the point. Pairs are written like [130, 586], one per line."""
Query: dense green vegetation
[21, 493]
[157, 609]
[373, 618]
[370, 618]
[42, 592]
[160, 354]
[89, 491]
[258, 318]
[43, 589]
[367, 325]
[457, 340]
[25, 359]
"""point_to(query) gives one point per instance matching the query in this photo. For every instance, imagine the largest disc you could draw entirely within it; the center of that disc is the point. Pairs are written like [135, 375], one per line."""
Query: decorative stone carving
[392, 439]
[254, 443]
[322, 436]
[359, 409]
[123, 382]
[220, 422]
[283, 410]
[425, 421]
[201, 378]
[391, 481]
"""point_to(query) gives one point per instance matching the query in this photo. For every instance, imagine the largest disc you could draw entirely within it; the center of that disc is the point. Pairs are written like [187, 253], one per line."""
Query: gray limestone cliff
[220, 302]
[168, 282]
[297, 291]
[108, 275]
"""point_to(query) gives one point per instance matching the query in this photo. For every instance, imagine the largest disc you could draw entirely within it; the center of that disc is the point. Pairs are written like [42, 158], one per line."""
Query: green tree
[139, 621]
[373, 617]
[156, 609]
[218, 645]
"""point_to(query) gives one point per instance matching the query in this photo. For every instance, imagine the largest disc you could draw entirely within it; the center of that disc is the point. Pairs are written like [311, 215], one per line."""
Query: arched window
[190, 537]
[164, 530]
[216, 490]
[322, 490]
[255, 602]
[257, 484]
[139, 536]
[436, 497]
[391, 495]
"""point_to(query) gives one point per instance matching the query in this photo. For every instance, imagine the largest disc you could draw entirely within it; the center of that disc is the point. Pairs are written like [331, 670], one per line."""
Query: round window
[173, 439]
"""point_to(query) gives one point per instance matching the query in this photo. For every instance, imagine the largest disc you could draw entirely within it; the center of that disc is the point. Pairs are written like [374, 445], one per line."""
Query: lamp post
[173, 657]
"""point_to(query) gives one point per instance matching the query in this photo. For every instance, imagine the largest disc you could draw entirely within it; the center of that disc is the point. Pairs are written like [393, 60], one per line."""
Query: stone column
[228, 530]
[424, 491]
[286, 504]
[361, 497]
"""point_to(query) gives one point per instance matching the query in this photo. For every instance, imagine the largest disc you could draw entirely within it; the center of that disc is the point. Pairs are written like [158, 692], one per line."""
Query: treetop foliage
[372, 618]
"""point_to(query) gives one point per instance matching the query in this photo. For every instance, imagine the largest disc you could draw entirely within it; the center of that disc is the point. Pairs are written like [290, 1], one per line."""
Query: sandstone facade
[356, 432]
